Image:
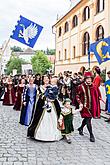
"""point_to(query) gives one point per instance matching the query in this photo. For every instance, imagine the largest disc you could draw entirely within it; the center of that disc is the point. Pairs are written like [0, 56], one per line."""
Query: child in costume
[51, 93]
[65, 121]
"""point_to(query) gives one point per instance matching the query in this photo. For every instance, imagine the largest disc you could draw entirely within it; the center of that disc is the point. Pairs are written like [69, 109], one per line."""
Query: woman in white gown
[44, 123]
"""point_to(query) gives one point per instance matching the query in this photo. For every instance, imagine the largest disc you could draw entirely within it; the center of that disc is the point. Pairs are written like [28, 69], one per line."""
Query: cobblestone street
[16, 149]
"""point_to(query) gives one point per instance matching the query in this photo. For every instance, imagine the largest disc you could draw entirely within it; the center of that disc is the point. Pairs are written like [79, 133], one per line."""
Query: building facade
[85, 23]
[26, 54]
[5, 54]
[51, 58]
[27, 69]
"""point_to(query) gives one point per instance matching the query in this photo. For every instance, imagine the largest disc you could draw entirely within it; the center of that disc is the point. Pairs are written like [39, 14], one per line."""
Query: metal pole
[105, 73]
[6, 46]
[89, 60]
[2, 55]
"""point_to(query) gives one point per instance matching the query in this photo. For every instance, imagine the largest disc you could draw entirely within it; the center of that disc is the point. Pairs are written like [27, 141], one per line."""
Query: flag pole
[6, 46]
[106, 73]
[2, 55]
[70, 4]
[89, 63]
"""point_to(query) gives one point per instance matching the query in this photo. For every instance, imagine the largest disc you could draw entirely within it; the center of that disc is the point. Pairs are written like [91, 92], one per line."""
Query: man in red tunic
[86, 98]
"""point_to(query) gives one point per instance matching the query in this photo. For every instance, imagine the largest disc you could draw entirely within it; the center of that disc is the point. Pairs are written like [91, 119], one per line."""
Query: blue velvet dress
[29, 96]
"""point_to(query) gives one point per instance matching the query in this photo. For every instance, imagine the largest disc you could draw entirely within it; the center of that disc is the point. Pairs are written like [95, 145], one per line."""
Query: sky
[43, 12]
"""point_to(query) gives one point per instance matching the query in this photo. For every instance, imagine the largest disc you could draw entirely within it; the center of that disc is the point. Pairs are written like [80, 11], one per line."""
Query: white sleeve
[76, 111]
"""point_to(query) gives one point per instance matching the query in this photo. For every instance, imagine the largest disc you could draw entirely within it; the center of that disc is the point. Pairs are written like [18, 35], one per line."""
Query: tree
[40, 62]
[14, 63]
[50, 51]
[16, 49]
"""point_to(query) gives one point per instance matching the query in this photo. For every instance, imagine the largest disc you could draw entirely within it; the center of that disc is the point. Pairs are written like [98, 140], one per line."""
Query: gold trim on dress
[66, 113]
[89, 98]
[67, 133]
[37, 97]
[86, 98]
[10, 94]
[39, 122]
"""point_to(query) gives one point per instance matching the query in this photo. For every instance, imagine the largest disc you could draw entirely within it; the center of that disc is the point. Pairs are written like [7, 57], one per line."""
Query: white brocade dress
[47, 127]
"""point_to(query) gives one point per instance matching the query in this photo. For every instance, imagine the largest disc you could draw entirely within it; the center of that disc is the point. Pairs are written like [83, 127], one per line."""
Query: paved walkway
[16, 149]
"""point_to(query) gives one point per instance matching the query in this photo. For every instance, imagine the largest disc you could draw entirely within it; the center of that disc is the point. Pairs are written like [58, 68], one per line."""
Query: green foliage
[14, 63]
[40, 62]
[16, 49]
[50, 51]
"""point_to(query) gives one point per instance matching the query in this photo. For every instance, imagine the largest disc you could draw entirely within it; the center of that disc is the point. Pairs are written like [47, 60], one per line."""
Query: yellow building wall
[75, 35]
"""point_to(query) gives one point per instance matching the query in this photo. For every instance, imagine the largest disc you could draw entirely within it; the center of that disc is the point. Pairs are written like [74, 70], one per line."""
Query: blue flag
[101, 49]
[26, 32]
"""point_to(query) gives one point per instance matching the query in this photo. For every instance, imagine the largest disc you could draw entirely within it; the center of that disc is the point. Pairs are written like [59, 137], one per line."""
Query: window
[99, 33]
[59, 33]
[86, 43]
[75, 21]
[86, 13]
[59, 55]
[74, 51]
[65, 54]
[100, 6]
[66, 27]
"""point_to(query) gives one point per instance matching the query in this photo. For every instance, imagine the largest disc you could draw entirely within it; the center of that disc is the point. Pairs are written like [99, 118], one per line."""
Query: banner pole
[2, 55]
[105, 73]
[89, 59]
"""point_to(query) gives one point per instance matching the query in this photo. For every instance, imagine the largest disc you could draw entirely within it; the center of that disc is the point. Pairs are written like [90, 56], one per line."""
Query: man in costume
[86, 98]
[107, 86]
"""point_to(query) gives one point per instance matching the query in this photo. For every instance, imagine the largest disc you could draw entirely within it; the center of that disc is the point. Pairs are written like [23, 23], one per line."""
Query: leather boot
[92, 138]
[80, 131]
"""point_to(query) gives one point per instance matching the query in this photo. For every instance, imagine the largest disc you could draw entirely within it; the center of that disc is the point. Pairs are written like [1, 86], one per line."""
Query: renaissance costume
[74, 86]
[87, 94]
[9, 97]
[27, 110]
[66, 118]
[2, 90]
[97, 81]
[44, 123]
[107, 86]
[87, 97]
[60, 87]
[18, 103]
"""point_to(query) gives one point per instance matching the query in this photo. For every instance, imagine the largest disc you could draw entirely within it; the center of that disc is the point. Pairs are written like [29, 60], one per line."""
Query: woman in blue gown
[28, 102]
